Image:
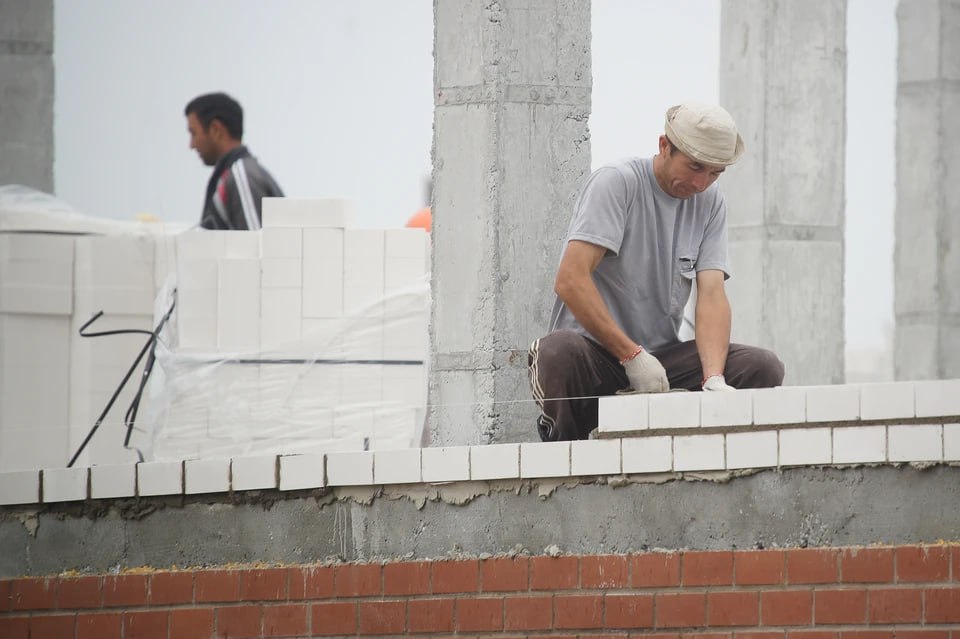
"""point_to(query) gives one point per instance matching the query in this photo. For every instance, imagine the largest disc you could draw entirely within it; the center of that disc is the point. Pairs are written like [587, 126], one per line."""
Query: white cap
[705, 132]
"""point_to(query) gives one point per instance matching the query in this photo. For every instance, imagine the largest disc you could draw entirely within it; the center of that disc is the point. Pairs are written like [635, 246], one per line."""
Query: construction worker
[643, 230]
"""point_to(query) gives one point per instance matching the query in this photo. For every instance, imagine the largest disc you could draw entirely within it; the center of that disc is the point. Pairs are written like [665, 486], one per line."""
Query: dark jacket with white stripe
[235, 190]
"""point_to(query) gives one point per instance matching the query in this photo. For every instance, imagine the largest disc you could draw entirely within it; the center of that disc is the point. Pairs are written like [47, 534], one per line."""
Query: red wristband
[635, 353]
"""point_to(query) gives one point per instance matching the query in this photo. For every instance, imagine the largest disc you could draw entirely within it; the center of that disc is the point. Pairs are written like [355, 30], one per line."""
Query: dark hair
[673, 147]
[218, 106]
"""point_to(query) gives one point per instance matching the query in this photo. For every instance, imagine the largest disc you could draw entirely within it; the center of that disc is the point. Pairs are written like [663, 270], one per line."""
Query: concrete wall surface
[927, 254]
[26, 84]
[783, 78]
[510, 148]
[800, 507]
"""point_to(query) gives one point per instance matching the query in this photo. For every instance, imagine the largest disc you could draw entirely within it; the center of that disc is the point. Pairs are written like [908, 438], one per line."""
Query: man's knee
[769, 370]
[753, 367]
[554, 347]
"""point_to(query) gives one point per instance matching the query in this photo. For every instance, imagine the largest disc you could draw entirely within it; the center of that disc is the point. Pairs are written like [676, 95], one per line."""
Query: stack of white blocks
[306, 335]
[278, 311]
[116, 275]
[36, 304]
[54, 383]
[794, 425]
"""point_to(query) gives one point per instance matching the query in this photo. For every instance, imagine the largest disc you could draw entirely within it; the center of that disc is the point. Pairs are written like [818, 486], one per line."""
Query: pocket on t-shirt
[685, 271]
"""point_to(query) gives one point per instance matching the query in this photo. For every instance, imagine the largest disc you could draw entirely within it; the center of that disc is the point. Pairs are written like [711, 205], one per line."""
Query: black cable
[150, 347]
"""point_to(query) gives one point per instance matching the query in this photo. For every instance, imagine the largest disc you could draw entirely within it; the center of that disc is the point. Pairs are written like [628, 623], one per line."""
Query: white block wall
[684, 453]
[36, 305]
[116, 275]
[330, 323]
[332, 319]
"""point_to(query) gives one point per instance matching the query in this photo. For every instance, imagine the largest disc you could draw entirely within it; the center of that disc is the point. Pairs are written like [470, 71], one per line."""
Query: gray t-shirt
[655, 245]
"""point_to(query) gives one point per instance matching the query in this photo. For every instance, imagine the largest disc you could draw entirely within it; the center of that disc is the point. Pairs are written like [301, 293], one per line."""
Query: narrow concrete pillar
[512, 97]
[26, 87]
[927, 254]
[783, 77]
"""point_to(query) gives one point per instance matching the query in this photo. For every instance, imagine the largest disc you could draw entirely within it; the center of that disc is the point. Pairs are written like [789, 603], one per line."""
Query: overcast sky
[338, 103]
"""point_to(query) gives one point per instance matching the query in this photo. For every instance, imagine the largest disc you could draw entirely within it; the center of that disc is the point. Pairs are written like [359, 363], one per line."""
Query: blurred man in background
[239, 183]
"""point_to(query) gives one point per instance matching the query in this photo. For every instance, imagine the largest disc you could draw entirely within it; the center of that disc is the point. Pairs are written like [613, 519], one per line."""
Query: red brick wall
[905, 592]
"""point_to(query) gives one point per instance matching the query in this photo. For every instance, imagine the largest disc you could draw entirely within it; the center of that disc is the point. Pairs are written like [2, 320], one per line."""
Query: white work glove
[716, 383]
[646, 373]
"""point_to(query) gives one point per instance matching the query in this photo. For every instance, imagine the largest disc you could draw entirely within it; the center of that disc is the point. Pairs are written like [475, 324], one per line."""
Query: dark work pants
[568, 372]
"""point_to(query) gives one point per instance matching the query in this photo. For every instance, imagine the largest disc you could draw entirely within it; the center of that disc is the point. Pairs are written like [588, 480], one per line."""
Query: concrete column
[927, 255]
[783, 78]
[26, 87]
[512, 97]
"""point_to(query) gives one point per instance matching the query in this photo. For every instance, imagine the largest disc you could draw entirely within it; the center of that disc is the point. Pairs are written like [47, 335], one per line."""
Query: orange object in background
[421, 219]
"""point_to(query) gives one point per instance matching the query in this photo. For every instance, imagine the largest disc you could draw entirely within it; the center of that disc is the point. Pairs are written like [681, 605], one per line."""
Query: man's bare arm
[713, 322]
[576, 288]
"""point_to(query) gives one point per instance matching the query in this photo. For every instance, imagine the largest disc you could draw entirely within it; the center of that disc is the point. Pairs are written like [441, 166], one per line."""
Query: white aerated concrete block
[495, 461]
[36, 273]
[200, 245]
[195, 275]
[30, 448]
[938, 398]
[36, 286]
[241, 245]
[726, 408]
[698, 452]
[299, 472]
[406, 340]
[406, 243]
[34, 391]
[160, 478]
[198, 333]
[892, 400]
[400, 466]
[18, 298]
[623, 412]
[37, 246]
[859, 444]
[915, 442]
[253, 472]
[281, 272]
[837, 403]
[306, 213]
[363, 265]
[64, 484]
[448, 463]
[647, 454]
[545, 459]
[781, 405]
[402, 274]
[752, 450]
[805, 446]
[113, 481]
[363, 340]
[281, 243]
[951, 442]
[675, 410]
[323, 258]
[595, 457]
[207, 475]
[350, 469]
[280, 322]
[238, 305]
[120, 301]
[20, 487]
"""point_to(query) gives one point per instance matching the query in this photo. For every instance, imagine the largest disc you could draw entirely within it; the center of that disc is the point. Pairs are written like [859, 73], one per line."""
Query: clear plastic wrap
[356, 381]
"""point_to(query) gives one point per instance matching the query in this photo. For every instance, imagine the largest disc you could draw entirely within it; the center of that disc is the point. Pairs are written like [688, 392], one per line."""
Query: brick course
[904, 592]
